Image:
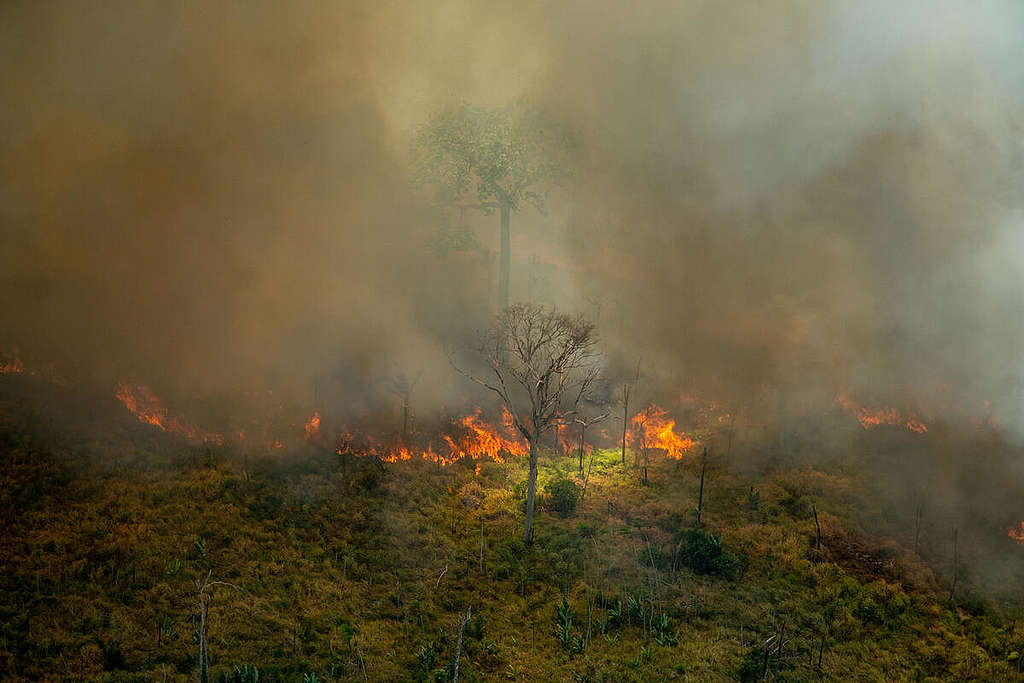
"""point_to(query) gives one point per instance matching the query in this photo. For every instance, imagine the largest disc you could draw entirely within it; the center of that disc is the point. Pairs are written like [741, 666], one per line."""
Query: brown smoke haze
[776, 201]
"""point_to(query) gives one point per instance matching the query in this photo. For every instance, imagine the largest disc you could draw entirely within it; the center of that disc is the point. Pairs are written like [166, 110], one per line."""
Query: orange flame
[12, 365]
[887, 416]
[482, 439]
[312, 426]
[478, 439]
[400, 454]
[653, 428]
[1018, 534]
[146, 406]
[566, 441]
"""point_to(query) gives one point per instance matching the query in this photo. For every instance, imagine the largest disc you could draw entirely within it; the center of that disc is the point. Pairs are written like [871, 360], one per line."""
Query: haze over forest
[772, 202]
[797, 228]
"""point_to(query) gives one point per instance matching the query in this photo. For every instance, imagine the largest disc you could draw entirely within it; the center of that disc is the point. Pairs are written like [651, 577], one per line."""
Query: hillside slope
[341, 568]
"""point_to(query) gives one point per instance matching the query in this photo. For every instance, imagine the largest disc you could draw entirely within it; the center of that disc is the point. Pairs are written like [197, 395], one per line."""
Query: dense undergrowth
[338, 568]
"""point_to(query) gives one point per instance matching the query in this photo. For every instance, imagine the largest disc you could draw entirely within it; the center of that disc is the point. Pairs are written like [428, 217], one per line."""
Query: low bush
[702, 552]
[562, 496]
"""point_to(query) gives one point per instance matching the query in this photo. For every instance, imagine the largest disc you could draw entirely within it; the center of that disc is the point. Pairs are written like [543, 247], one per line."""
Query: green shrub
[241, 675]
[700, 548]
[703, 553]
[729, 566]
[653, 556]
[562, 496]
[563, 616]
[113, 658]
[751, 666]
[367, 480]
[426, 661]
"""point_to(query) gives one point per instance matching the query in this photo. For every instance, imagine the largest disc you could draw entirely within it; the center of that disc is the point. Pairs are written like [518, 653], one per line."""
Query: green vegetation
[493, 160]
[343, 569]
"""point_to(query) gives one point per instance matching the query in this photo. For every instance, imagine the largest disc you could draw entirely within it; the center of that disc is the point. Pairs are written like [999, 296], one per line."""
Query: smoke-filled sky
[776, 199]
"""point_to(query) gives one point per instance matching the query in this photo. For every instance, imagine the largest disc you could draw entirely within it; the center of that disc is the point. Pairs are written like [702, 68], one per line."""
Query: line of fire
[469, 341]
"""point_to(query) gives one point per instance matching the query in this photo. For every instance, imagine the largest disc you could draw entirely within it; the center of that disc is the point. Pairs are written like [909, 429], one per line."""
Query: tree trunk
[583, 431]
[625, 425]
[700, 495]
[405, 421]
[204, 662]
[458, 646]
[505, 258]
[531, 492]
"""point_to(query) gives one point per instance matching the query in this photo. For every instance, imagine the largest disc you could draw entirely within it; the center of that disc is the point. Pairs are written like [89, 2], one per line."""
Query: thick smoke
[778, 201]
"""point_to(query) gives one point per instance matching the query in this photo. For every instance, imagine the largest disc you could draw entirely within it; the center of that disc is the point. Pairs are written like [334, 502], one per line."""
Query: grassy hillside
[341, 568]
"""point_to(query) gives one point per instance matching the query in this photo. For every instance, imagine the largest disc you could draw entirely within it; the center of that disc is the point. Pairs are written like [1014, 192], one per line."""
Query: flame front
[146, 406]
[886, 416]
[566, 441]
[482, 439]
[12, 364]
[1017, 534]
[312, 426]
[478, 439]
[653, 429]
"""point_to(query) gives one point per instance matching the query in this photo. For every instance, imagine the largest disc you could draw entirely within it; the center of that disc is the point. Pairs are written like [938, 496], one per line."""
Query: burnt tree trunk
[531, 491]
[700, 493]
[204, 661]
[405, 421]
[625, 424]
[583, 431]
[458, 645]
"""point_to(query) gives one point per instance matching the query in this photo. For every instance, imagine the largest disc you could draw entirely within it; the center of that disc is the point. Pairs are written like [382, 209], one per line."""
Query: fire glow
[652, 427]
[481, 439]
[1017, 534]
[312, 426]
[477, 440]
[887, 416]
[147, 407]
[12, 364]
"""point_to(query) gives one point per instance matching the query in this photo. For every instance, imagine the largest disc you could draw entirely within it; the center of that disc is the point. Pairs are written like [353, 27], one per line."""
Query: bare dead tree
[643, 454]
[585, 422]
[201, 588]
[542, 365]
[401, 386]
[458, 644]
[624, 396]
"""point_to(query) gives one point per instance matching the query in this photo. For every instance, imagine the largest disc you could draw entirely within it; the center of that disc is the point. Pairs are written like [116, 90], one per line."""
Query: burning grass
[652, 428]
[400, 558]
[869, 419]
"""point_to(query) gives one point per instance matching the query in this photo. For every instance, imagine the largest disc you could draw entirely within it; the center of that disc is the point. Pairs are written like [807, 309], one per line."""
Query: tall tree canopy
[495, 160]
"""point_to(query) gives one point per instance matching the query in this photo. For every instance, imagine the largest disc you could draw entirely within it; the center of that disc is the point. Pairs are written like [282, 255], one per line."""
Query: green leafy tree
[494, 160]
